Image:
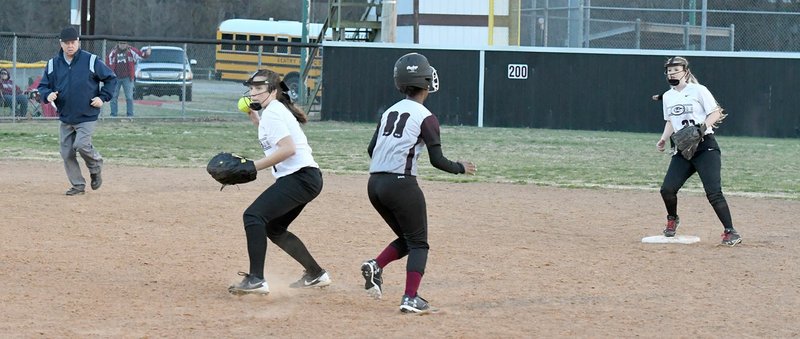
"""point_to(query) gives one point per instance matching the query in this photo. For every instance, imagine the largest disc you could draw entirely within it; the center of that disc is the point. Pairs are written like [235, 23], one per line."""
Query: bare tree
[151, 18]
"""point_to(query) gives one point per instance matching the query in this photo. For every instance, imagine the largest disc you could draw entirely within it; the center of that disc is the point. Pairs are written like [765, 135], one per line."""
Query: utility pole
[389, 21]
[490, 27]
[82, 15]
[703, 26]
[301, 85]
[75, 13]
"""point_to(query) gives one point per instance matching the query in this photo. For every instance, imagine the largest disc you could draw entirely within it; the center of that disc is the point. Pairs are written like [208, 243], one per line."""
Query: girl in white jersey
[687, 102]
[403, 133]
[298, 181]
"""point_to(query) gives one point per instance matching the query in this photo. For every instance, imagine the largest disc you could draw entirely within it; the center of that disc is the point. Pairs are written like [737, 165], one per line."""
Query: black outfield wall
[358, 84]
[567, 88]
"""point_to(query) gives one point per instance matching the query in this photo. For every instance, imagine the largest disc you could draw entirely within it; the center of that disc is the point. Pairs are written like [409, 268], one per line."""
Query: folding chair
[6, 109]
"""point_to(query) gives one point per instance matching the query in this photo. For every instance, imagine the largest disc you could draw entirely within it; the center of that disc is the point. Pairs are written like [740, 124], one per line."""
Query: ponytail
[691, 78]
[283, 97]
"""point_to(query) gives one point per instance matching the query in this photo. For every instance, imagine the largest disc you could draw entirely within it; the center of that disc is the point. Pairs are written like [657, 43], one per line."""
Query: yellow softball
[244, 105]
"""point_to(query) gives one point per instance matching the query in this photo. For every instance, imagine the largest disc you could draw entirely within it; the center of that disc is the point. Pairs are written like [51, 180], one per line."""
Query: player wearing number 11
[402, 133]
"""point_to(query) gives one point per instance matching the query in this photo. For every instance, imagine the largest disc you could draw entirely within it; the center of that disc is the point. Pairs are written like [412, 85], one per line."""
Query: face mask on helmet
[673, 62]
[434, 84]
[256, 106]
[251, 82]
[675, 82]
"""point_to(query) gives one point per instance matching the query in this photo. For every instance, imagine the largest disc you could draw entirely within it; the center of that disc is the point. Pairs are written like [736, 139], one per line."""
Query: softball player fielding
[298, 181]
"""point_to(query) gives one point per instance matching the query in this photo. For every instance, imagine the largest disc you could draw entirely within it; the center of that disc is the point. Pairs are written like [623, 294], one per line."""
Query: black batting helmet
[414, 70]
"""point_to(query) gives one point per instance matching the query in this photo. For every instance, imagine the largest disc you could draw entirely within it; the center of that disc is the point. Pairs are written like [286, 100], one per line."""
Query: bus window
[240, 37]
[254, 48]
[283, 49]
[271, 48]
[226, 36]
[295, 50]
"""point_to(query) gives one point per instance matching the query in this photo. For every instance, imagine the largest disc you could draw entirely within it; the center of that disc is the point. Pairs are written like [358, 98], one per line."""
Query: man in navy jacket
[72, 80]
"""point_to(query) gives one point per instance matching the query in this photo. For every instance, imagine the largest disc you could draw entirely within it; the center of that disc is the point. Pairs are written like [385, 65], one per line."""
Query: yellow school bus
[238, 61]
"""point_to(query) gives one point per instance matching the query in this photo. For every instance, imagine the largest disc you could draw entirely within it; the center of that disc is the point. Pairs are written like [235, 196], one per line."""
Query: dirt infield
[152, 252]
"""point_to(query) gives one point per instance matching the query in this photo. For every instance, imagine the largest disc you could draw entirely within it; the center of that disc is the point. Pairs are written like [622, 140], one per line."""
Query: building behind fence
[713, 25]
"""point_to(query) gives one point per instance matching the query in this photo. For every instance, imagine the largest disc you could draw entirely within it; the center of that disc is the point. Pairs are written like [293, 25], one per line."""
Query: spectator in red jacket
[122, 60]
[7, 96]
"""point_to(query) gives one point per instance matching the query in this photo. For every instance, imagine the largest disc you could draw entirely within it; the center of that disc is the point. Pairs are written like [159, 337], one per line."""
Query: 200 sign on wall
[517, 71]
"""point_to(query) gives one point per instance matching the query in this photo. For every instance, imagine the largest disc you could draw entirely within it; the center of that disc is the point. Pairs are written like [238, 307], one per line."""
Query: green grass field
[751, 166]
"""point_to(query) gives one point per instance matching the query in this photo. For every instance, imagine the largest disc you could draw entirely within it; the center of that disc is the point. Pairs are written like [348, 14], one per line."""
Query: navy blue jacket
[76, 85]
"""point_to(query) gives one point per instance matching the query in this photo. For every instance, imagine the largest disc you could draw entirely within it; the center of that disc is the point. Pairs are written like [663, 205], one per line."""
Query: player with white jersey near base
[688, 103]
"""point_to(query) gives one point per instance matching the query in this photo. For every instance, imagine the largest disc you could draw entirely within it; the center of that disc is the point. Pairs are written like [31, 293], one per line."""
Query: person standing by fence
[122, 59]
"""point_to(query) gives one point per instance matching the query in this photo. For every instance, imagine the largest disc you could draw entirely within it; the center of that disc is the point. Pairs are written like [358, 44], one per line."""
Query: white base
[678, 239]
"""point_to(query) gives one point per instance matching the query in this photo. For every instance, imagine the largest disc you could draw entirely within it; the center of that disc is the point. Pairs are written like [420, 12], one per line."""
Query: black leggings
[271, 213]
[399, 200]
[707, 162]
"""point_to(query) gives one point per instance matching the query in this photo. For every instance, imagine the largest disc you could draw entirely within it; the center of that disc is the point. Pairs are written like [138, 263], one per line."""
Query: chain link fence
[202, 94]
[212, 86]
[713, 25]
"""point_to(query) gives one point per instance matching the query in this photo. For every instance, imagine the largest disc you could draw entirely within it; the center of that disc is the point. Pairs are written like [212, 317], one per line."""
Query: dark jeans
[22, 103]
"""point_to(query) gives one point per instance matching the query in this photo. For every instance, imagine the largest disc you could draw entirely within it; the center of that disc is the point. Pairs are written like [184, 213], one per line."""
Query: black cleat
[372, 278]
[414, 305]
[730, 237]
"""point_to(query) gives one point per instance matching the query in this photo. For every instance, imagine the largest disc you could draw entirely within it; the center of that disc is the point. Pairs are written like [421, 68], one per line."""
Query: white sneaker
[308, 281]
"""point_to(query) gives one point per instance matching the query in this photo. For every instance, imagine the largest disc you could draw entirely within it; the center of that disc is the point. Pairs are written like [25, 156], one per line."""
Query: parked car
[164, 72]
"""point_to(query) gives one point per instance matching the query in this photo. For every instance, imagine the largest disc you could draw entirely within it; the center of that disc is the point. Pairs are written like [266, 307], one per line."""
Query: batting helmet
[414, 70]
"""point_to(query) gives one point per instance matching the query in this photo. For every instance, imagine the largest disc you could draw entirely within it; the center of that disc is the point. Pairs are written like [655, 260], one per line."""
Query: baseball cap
[69, 33]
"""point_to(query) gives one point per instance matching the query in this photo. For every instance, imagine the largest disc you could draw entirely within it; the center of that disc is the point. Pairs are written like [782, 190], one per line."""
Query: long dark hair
[274, 83]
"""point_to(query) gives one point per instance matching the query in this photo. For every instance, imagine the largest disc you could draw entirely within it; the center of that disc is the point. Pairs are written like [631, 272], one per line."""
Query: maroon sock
[388, 255]
[413, 279]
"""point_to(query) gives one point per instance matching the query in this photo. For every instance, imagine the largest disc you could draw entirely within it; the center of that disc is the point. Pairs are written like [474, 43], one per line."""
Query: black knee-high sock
[723, 213]
[670, 202]
[297, 250]
[256, 249]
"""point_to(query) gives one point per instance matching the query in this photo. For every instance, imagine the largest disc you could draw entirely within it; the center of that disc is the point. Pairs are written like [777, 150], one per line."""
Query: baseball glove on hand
[231, 169]
[687, 139]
